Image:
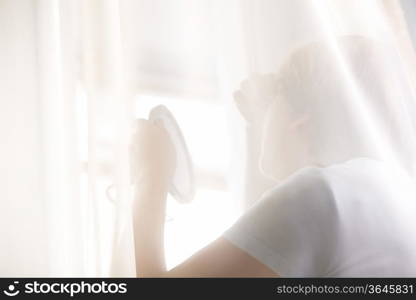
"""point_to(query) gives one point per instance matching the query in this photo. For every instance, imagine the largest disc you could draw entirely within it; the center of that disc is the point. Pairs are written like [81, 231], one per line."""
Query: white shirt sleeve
[293, 228]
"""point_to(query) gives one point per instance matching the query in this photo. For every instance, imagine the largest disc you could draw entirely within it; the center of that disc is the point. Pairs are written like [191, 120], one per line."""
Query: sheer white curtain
[74, 74]
[65, 130]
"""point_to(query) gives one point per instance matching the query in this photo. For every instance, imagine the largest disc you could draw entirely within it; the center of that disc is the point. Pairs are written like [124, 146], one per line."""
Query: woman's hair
[352, 94]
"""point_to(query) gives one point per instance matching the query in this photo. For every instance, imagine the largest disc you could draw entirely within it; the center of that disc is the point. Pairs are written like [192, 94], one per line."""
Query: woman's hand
[152, 155]
[254, 96]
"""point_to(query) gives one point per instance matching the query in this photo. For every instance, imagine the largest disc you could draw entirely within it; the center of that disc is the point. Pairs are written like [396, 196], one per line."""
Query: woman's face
[284, 145]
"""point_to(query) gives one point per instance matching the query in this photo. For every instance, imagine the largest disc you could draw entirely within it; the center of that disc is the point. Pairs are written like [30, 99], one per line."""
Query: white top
[347, 220]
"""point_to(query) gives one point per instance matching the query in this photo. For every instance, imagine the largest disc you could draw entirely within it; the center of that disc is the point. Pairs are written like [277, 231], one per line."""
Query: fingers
[255, 94]
[152, 154]
[241, 104]
[145, 128]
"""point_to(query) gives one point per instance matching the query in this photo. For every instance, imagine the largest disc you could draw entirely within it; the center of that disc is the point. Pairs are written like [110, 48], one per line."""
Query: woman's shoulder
[307, 179]
[306, 188]
[324, 186]
[312, 179]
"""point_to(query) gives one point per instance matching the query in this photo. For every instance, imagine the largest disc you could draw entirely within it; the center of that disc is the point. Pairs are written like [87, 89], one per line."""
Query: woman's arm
[219, 259]
[148, 221]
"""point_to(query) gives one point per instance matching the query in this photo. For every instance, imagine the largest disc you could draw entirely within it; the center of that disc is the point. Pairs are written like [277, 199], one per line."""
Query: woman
[338, 140]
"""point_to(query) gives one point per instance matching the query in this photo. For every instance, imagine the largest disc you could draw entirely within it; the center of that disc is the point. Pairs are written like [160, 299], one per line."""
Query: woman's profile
[336, 141]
